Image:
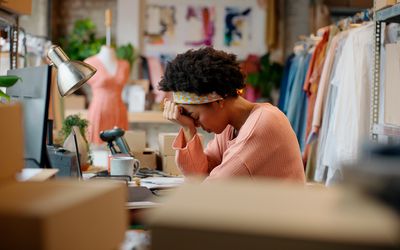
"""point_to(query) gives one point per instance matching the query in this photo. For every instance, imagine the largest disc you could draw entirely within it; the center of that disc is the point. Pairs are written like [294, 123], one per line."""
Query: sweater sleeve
[192, 159]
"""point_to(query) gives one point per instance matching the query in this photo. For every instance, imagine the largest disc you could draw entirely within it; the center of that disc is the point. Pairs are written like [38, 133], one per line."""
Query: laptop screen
[79, 170]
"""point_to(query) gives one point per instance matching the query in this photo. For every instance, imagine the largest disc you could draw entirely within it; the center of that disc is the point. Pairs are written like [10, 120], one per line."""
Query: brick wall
[66, 12]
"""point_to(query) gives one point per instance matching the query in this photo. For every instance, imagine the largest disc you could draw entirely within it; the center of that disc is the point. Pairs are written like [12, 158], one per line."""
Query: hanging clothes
[349, 121]
[297, 101]
[312, 81]
[284, 83]
[321, 168]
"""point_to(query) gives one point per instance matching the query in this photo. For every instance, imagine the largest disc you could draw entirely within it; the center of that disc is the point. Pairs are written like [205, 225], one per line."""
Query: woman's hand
[175, 113]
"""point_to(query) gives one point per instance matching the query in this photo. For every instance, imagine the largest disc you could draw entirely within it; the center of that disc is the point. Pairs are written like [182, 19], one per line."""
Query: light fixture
[71, 74]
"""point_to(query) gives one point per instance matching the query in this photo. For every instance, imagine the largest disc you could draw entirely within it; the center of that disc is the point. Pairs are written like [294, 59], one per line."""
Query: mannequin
[108, 57]
[106, 109]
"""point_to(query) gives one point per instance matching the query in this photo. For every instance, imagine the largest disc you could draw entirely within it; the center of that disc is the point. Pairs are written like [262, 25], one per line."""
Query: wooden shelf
[387, 130]
[136, 117]
[390, 14]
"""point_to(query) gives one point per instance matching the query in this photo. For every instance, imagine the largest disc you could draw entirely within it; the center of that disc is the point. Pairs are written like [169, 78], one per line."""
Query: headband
[191, 98]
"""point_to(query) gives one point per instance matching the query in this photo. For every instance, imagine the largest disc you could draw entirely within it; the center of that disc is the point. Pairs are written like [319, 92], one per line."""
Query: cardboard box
[136, 140]
[251, 214]
[380, 4]
[76, 102]
[20, 7]
[147, 158]
[11, 142]
[63, 215]
[169, 165]
[165, 141]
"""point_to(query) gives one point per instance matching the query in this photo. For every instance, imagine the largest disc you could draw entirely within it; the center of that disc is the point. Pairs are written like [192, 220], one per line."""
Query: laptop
[135, 194]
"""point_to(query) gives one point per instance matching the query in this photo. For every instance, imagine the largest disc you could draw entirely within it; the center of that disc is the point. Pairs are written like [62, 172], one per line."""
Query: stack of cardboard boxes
[167, 153]
[136, 140]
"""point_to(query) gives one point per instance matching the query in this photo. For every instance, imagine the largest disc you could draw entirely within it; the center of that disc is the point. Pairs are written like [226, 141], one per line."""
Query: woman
[252, 139]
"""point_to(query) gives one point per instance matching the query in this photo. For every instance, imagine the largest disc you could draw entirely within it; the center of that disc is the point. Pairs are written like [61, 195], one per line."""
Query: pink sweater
[266, 146]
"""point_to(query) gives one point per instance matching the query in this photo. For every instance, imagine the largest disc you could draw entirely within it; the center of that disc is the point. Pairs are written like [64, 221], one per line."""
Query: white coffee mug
[124, 165]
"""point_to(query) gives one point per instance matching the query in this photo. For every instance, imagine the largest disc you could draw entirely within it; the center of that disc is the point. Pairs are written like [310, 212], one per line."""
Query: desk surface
[136, 117]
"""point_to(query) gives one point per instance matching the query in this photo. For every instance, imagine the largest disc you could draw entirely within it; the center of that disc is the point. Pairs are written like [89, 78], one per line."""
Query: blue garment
[297, 105]
[284, 83]
[291, 79]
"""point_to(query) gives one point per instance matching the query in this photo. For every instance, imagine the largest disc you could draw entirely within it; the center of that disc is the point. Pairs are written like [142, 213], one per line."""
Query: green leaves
[127, 52]
[267, 78]
[82, 43]
[7, 81]
[74, 120]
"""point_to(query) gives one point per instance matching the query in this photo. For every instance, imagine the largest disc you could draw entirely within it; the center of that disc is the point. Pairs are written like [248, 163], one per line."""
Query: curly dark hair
[204, 71]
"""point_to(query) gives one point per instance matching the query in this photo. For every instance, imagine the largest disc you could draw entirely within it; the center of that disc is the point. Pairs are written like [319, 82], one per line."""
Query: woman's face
[210, 116]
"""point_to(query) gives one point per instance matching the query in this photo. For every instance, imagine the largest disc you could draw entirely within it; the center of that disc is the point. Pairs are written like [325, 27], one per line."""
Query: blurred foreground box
[63, 215]
[11, 142]
[271, 215]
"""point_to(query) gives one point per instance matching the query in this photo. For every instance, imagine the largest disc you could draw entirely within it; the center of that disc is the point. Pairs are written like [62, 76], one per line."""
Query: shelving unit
[10, 22]
[387, 15]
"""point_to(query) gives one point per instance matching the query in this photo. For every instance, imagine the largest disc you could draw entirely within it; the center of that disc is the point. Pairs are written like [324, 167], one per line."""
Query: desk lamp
[71, 74]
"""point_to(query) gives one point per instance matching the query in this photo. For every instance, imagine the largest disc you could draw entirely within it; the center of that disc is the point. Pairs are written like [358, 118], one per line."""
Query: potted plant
[80, 125]
[267, 78]
[127, 52]
[83, 43]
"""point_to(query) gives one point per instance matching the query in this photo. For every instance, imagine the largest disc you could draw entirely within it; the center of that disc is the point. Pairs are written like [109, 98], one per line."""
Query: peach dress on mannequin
[106, 109]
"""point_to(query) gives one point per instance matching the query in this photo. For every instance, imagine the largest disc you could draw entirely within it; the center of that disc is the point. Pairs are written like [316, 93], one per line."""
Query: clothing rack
[364, 16]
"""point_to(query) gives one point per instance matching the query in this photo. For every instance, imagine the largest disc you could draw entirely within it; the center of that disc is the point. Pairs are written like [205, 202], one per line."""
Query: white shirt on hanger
[350, 119]
[109, 59]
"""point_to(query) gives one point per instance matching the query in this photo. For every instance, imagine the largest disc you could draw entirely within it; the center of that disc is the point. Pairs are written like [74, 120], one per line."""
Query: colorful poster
[160, 26]
[237, 30]
[200, 25]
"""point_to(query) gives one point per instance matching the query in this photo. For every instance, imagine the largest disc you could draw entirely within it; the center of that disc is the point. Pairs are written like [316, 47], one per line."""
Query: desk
[36, 174]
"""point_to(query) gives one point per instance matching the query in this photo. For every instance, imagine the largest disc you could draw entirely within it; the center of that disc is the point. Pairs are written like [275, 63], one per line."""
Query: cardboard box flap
[63, 215]
[281, 210]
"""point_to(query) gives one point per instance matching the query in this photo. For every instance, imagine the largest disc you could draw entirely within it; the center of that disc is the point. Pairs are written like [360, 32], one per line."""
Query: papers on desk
[36, 174]
[161, 182]
[87, 176]
[141, 204]
[28, 173]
